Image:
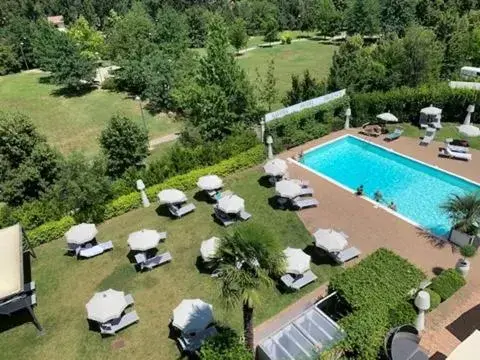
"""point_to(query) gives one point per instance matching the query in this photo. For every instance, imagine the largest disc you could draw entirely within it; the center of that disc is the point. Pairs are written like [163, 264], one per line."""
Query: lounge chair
[302, 183]
[429, 136]
[223, 218]
[129, 299]
[456, 148]
[181, 211]
[297, 283]
[346, 255]
[244, 216]
[73, 248]
[193, 343]
[447, 152]
[306, 191]
[150, 263]
[95, 250]
[126, 320]
[302, 203]
[394, 135]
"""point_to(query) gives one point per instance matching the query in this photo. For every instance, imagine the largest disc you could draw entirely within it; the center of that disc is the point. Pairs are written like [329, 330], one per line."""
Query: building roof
[468, 349]
[11, 261]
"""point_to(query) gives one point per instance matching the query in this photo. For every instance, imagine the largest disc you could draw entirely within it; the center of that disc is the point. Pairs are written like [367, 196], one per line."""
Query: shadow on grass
[18, 318]
[275, 205]
[162, 210]
[319, 256]
[437, 270]
[265, 182]
[119, 278]
[202, 267]
[71, 92]
[202, 196]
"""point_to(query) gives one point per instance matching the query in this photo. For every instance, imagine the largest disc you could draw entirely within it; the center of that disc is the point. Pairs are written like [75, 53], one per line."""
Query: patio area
[370, 228]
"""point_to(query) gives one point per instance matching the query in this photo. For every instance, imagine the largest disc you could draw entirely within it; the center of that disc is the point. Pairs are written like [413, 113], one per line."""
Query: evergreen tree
[269, 91]
[459, 47]
[364, 17]
[397, 15]
[270, 29]
[328, 18]
[238, 34]
[171, 31]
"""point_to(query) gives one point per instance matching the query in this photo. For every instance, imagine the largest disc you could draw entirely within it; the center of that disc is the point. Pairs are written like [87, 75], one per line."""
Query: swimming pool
[417, 189]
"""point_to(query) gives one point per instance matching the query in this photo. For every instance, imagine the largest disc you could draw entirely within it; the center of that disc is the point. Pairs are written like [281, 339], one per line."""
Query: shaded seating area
[176, 202]
[335, 244]
[298, 273]
[17, 291]
[402, 343]
[230, 209]
[82, 243]
[211, 185]
[430, 116]
[294, 194]
[107, 309]
[275, 169]
[154, 261]
[143, 242]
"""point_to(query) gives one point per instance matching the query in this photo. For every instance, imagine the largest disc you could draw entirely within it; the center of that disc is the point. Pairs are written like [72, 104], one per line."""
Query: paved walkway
[370, 228]
[162, 139]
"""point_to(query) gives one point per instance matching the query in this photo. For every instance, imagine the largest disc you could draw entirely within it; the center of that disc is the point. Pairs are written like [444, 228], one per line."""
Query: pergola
[17, 291]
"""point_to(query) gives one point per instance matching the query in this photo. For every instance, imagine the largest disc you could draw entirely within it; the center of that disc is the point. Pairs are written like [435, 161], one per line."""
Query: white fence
[304, 105]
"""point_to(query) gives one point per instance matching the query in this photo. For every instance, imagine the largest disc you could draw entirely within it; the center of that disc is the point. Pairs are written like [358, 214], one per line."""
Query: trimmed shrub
[50, 231]
[468, 250]
[226, 345]
[406, 103]
[435, 299]
[447, 283]
[404, 313]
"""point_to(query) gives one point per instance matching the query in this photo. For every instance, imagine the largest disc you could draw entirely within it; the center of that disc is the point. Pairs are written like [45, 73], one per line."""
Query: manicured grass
[448, 130]
[289, 60]
[73, 123]
[159, 151]
[65, 284]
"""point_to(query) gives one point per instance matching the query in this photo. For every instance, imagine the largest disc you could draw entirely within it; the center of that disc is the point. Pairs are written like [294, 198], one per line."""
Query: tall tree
[247, 259]
[397, 15]
[90, 41]
[171, 31]
[459, 47]
[327, 18]
[269, 91]
[238, 34]
[363, 17]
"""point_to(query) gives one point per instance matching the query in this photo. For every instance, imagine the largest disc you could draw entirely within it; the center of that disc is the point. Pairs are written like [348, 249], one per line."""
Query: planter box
[461, 239]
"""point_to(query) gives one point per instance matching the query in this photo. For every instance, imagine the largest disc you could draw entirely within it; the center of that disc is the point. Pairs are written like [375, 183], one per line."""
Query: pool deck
[370, 228]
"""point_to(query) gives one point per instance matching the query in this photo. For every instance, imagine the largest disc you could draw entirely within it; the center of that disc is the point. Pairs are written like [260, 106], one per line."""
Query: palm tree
[464, 211]
[247, 259]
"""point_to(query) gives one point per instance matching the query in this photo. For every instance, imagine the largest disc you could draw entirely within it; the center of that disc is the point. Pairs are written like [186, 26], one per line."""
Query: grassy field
[448, 130]
[72, 122]
[289, 59]
[65, 284]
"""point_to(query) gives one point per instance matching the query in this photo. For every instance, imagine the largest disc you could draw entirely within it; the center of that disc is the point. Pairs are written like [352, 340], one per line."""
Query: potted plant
[464, 211]
[463, 264]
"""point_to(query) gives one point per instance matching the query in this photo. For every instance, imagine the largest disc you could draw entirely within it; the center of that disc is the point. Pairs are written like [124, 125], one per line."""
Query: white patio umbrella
[288, 189]
[210, 182]
[387, 117]
[330, 240]
[143, 240]
[209, 248]
[232, 204]
[106, 305]
[192, 315]
[297, 261]
[276, 167]
[81, 233]
[431, 111]
[171, 196]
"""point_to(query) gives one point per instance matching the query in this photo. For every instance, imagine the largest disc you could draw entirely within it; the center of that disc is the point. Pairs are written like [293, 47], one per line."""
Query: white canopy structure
[210, 182]
[231, 204]
[297, 261]
[143, 240]
[172, 196]
[192, 315]
[330, 240]
[468, 349]
[431, 111]
[275, 167]
[288, 189]
[387, 117]
[106, 305]
[431, 116]
[81, 233]
[209, 248]
[11, 261]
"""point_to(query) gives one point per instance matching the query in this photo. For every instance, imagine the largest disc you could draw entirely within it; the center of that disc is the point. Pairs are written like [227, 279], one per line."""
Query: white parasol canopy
[330, 240]
[231, 204]
[192, 315]
[171, 196]
[106, 305]
[388, 117]
[288, 189]
[81, 233]
[431, 111]
[11, 261]
[210, 182]
[297, 261]
[276, 167]
[143, 240]
[209, 248]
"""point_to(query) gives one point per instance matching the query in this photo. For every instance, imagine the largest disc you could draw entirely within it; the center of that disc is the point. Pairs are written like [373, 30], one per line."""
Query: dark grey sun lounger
[346, 255]
[184, 210]
[303, 203]
[223, 218]
[297, 283]
[111, 328]
[152, 262]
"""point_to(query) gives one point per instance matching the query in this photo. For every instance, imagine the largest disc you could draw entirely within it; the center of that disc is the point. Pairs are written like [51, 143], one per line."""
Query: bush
[286, 38]
[404, 313]
[435, 299]
[406, 103]
[468, 250]
[226, 345]
[50, 231]
[447, 283]
[109, 84]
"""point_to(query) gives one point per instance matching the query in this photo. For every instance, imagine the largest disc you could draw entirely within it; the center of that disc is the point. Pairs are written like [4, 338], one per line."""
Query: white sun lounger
[429, 136]
[95, 250]
[306, 191]
[303, 203]
[128, 319]
[184, 210]
[456, 148]
[346, 255]
[297, 283]
[152, 262]
[455, 155]
[244, 216]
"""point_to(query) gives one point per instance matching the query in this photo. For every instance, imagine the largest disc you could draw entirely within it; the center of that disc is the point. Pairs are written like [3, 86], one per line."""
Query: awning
[468, 349]
[431, 111]
[143, 240]
[11, 261]
[106, 305]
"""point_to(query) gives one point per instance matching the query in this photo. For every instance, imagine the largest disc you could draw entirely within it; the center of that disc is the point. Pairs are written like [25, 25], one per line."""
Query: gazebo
[431, 116]
[17, 291]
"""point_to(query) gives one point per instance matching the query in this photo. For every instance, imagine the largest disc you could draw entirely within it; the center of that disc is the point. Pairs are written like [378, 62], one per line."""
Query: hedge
[447, 283]
[309, 124]
[406, 103]
[55, 229]
[435, 299]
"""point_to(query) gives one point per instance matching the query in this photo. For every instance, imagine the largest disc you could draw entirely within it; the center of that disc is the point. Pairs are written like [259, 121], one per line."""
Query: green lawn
[72, 123]
[65, 284]
[159, 151]
[289, 59]
[448, 130]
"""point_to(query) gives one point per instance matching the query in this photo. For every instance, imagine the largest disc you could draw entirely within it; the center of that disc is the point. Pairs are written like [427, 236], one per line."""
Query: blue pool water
[417, 190]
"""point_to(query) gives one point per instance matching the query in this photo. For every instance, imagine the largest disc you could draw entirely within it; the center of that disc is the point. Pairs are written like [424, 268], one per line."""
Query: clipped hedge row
[406, 103]
[435, 299]
[309, 124]
[447, 283]
[55, 229]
